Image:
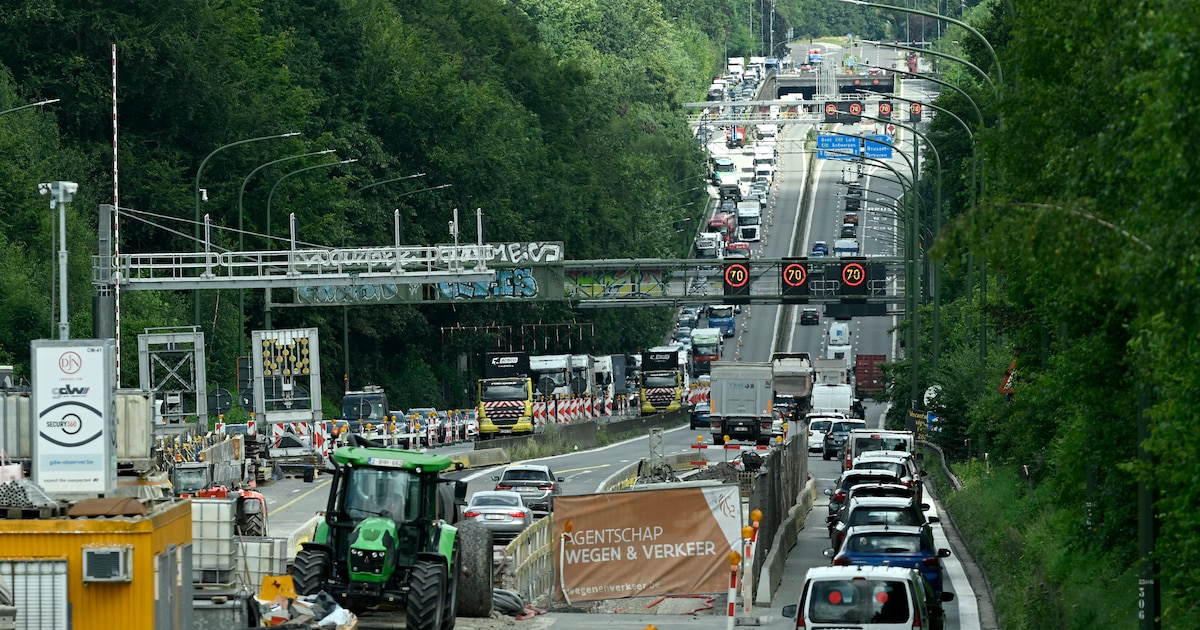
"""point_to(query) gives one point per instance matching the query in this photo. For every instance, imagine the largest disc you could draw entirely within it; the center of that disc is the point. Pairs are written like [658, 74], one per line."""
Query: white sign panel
[74, 452]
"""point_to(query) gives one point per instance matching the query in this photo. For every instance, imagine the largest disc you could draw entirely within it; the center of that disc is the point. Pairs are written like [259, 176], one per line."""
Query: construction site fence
[775, 490]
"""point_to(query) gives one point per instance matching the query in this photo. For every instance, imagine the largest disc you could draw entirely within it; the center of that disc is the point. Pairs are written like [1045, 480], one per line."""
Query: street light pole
[970, 29]
[270, 196]
[61, 193]
[196, 194]
[242, 234]
[936, 53]
[37, 104]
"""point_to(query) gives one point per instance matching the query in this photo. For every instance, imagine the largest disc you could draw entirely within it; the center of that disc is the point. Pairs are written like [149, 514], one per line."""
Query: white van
[767, 131]
[868, 598]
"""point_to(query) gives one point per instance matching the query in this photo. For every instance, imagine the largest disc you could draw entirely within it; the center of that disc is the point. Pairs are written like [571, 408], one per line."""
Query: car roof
[491, 493]
[867, 473]
[906, 530]
[899, 457]
[900, 502]
[850, 572]
[538, 467]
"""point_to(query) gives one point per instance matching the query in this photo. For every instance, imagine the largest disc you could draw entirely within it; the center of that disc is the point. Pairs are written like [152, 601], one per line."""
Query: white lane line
[964, 595]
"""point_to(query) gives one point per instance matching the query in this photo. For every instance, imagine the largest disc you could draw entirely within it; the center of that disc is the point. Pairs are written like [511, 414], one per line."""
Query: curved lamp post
[388, 181]
[938, 53]
[37, 104]
[270, 196]
[196, 194]
[242, 234]
[937, 16]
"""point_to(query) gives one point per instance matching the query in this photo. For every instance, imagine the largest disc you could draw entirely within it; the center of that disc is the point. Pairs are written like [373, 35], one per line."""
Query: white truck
[741, 401]
[832, 392]
[710, 245]
[604, 382]
[749, 219]
[793, 381]
[581, 375]
[551, 374]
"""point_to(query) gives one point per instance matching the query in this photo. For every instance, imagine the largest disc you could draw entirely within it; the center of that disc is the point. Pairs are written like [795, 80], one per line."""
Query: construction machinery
[391, 539]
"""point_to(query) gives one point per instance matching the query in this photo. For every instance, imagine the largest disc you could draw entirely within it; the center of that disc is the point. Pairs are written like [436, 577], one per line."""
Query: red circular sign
[885, 109]
[914, 108]
[737, 275]
[857, 82]
[794, 275]
[831, 109]
[854, 274]
[856, 108]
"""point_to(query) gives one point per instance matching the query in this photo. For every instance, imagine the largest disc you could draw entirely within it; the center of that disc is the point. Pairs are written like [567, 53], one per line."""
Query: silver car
[502, 512]
[535, 483]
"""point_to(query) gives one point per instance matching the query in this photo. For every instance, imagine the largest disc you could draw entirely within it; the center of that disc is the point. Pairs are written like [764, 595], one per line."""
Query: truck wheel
[475, 580]
[310, 570]
[426, 596]
[450, 614]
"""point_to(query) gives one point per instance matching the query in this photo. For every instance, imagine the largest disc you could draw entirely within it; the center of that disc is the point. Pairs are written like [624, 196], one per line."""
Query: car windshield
[393, 492]
[558, 377]
[504, 391]
[495, 500]
[524, 475]
[884, 543]
[883, 516]
[704, 349]
[858, 601]
[190, 479]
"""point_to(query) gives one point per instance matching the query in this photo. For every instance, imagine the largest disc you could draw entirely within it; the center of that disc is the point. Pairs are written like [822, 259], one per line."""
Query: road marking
[320, 485]
[584, 468]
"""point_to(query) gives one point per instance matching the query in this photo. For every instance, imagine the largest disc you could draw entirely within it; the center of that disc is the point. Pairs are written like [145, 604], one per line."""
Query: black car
[810, 317]
[700, 416]
[848, 230]
[835, 438]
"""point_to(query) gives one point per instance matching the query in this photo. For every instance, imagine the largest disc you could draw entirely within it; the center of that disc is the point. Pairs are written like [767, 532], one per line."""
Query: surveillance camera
[70, 188]
[203, 194]
[44, 189]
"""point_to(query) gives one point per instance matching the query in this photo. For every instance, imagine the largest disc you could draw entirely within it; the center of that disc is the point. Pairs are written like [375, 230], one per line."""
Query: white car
[878, 598]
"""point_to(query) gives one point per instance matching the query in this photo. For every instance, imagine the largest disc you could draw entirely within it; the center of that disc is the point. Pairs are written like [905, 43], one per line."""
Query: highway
[791, 230]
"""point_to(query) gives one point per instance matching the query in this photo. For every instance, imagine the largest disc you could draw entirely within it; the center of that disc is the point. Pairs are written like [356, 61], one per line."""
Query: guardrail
[532, 559]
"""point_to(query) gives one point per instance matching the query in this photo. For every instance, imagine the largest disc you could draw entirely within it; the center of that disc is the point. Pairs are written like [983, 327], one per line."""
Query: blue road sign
[837, 147]
[878, 147]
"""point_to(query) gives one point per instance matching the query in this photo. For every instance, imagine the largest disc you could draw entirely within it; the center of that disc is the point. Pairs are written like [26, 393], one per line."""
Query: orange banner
[646, 542]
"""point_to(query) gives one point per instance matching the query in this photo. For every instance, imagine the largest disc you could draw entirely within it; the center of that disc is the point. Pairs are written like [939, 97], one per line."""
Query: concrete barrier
[302, 534]
[482, 458]
[581, 434]
[785, 539]
[646, 422]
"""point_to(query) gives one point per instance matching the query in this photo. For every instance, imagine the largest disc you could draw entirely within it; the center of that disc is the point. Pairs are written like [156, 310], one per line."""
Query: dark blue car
[893, 545]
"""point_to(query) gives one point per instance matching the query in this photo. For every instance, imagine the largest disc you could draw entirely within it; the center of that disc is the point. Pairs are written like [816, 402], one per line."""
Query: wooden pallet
[18, 513]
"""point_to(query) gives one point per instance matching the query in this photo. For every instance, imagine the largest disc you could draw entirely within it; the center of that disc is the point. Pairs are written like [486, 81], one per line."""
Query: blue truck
[721, 316]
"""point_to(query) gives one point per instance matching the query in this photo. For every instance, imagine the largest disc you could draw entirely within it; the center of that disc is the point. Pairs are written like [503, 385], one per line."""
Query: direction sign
[838, 147]
[878, 147]
[854, 278]
[794, 278]
[737, 279]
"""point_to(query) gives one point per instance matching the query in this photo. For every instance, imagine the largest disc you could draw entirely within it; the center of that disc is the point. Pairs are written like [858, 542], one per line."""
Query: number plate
[493, 517]
[527, 489]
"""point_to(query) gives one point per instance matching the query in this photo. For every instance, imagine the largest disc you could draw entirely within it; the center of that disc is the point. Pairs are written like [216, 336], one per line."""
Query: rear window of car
[495, 500]
[820, 426]
[859, 601]
[884, 543]
[883, 516]
[892, 467]
[864, 444]
[525, 475]
[845, 427]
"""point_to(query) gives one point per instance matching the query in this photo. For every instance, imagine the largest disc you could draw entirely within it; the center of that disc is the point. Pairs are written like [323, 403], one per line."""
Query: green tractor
[390, 541]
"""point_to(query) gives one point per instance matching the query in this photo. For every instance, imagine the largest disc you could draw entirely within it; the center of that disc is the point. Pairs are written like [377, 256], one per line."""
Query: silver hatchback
[536, 484]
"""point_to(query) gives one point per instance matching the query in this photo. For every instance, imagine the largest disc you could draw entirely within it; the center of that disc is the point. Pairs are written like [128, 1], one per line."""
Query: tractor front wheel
[310, 570]
[475, 579]
[426, 593]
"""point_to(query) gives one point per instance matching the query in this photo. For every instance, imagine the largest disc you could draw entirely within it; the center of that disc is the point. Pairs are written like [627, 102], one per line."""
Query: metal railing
[531, 555]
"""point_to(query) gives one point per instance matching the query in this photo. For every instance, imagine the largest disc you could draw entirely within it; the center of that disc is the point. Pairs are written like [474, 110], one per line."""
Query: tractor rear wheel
[475, 581]
[426, 593]
[310, 570]
[450, 614]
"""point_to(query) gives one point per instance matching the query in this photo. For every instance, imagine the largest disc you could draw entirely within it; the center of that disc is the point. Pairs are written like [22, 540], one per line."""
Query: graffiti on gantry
[506, 283]
[366, 293]
[616, 284]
